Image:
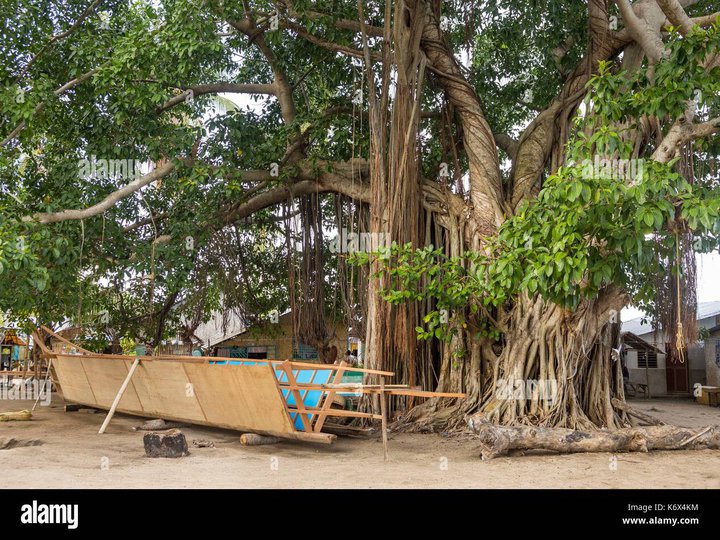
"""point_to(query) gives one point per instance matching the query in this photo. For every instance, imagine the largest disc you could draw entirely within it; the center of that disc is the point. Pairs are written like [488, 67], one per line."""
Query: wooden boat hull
[244, 398]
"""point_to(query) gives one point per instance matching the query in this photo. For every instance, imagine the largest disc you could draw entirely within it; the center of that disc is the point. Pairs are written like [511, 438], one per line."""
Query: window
[717, 352]
[647, 359]
[304, 352]
[232, 352]
[256, 352]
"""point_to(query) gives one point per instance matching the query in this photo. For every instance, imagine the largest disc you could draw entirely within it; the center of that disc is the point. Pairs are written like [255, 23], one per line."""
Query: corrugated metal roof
[211, 333]
[638, 327]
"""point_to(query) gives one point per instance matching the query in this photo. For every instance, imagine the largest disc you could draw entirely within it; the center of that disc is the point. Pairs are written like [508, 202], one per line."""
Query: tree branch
[706, 20]
[342, 24]
[486, 192]
[105, 204]
[677, 16]
[84, 15]
[680, 134]
[326, 44]
[548, 131]
[40, 106]
[641, 32]
[230, 88]
[345, 178]
[507, 144]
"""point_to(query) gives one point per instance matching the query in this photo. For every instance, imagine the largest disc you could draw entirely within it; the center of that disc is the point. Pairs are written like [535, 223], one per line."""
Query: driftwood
[18, 415]
[500, 440]
[253, 439]
[157, 425]
[8, 443]
[202, 443]
[622, 406]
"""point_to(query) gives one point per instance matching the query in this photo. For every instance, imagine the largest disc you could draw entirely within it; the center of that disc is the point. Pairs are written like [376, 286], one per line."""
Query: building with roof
[274, 340]
[652, 365]
[712, 356]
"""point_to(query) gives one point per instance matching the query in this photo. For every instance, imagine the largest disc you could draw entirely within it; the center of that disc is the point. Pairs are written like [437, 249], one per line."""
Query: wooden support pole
[383, 413]
[119, 396]
[299, 403]
[66, 341]
[44, 386]
[329, 397]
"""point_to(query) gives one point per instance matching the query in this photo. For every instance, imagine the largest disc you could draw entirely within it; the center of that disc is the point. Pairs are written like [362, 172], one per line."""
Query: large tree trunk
[554, 367]
[542, 343]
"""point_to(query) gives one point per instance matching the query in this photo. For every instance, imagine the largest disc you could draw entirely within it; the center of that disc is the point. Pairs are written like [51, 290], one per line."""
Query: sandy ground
[73, 455]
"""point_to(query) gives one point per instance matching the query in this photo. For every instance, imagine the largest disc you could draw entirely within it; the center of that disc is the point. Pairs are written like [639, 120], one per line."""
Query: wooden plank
[164, 388]
[105, 377]
[354, 388]
[73, 380]
[43, 388]
[338, 412]
[59, 337]
[299, 403]
[246, 398]
[349, 431]
[206, 359]
[329, 396]
[416, 393]
[383, 416]
[40, 343]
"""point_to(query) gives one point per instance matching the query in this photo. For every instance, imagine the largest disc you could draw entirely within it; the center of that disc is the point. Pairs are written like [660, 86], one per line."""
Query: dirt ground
[73, 455]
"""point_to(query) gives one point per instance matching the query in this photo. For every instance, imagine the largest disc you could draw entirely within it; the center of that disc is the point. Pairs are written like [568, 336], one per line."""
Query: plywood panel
[242, 396]
[163, 390]
[245, 398]
[106, 376]
[73, 381]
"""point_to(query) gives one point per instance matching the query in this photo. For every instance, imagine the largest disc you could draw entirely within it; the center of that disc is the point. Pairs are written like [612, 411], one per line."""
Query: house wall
[698, 355]
[697, 363]
[712, 359]
[655, 378]
[280, 336]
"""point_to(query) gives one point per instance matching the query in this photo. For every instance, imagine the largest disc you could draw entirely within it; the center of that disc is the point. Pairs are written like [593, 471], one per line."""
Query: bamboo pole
[44, 386]
[120, 393]
[383, 414]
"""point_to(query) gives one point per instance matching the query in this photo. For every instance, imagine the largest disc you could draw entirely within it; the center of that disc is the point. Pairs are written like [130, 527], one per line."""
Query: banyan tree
[518, 172]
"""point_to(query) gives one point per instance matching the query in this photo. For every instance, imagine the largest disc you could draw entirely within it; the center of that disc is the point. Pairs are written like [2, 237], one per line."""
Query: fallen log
[253, 439]
[500, 440]
[631, 411]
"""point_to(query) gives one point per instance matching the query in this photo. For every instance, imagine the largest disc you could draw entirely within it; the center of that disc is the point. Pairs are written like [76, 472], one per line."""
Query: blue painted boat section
[311, 398]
